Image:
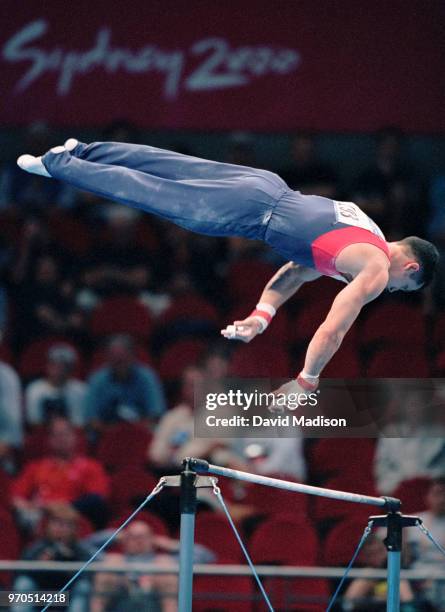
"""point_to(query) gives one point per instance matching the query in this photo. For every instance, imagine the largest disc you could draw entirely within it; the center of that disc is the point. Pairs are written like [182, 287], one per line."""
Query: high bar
[200, 465]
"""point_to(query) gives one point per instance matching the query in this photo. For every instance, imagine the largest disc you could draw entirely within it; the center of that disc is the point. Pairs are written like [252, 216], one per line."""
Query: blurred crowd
[108, 320]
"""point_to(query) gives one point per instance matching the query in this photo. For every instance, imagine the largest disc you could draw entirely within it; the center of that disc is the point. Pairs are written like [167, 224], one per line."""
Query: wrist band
[305, 384]
[309, 377]
[264, 314]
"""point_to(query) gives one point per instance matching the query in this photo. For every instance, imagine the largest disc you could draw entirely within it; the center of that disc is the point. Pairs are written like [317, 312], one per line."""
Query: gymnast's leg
[158, 162]
[219, 207]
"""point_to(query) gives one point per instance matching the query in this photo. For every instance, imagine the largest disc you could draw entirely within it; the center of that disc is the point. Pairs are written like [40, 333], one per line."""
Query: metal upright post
[394, 522]
[393, 543]
[186, 544]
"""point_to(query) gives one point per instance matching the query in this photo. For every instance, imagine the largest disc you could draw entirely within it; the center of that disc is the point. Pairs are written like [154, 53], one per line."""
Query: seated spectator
[59, 542]
[307, 172]
[399, 459]
[44, 299]
[175, 429]
[11, 433]
[148, 591]
[57, 394]
[388, 191]
[124, 390]
[422, 451]
[365, 595]
[425, 556]
[267, 456]
[119, 265]
[62, 476]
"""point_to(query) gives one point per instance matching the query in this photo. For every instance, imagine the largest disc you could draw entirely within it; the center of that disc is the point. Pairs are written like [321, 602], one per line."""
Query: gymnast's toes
[32, 164]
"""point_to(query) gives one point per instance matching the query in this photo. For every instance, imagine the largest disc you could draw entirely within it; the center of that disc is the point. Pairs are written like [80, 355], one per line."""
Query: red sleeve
[24, 485]
[96, 480]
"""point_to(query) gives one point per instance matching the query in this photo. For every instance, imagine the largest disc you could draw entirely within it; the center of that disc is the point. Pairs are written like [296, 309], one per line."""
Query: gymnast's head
[413, 264]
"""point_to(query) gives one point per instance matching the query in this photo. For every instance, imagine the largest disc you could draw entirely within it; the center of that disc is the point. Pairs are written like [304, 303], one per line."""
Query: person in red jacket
[63, 475]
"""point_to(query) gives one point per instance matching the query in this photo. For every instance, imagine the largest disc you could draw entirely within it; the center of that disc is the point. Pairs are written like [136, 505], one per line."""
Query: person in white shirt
[58, 393]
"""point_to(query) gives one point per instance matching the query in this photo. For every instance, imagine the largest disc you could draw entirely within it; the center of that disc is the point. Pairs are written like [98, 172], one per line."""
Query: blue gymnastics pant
[203, 196]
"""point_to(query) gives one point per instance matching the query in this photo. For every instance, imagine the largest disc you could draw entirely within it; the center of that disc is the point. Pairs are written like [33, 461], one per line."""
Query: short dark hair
[426, 255]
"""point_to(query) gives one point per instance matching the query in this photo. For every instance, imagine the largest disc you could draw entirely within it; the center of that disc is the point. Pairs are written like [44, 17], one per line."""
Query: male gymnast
[318, 236]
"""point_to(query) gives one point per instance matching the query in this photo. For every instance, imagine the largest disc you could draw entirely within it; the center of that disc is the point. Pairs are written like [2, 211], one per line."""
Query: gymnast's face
[403, 278]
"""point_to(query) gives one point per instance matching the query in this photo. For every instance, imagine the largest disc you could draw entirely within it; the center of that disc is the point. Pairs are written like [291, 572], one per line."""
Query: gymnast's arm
[346, 307]
[284, 284]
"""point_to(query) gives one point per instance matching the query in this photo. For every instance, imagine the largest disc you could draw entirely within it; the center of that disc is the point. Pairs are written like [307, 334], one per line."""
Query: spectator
[269, 456]
[11, 433]
[118, 265]
[421, 452]
[139, 544]
[59, 542]
[124, 389]
[175, 428]
[425, 555]
[58, 393]
[306, 172]
[365, 595]
[44, 299]
[134, 591]
[62, 476]
[387, 189]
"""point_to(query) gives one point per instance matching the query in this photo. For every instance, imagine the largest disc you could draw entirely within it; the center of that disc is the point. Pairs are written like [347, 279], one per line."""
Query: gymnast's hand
[243, 330]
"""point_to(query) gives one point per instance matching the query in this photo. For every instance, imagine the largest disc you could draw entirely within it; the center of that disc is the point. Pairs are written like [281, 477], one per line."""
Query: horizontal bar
[293, 486]
[283, 571]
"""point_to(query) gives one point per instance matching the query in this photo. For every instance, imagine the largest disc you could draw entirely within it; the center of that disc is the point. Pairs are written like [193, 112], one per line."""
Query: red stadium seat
[214, 532]
[413, 493]
[36, 443]
[260, 360]
[401, 362]
[223, 594]
[344, 364]
[123, 444]
[271, 501]
[5, 353]
[32, 362]
[121, 315]
[9, 543]
[342, 541]
[5, 488]
[350, 457]
[326, 510]
[190, 307]
[394, 323]
[129, 485]
[439, 365]
[296, 594]
[439, 332]
[70, 233]
[178, 356]
[305, 322]
[286, 541]
[299, 546]
[247, 278]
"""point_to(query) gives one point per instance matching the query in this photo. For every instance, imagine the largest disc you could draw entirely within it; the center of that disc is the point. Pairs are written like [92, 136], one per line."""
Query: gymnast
[318, 236]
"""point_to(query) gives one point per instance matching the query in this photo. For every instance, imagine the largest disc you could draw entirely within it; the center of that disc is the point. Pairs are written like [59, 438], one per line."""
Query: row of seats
[248, 360]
